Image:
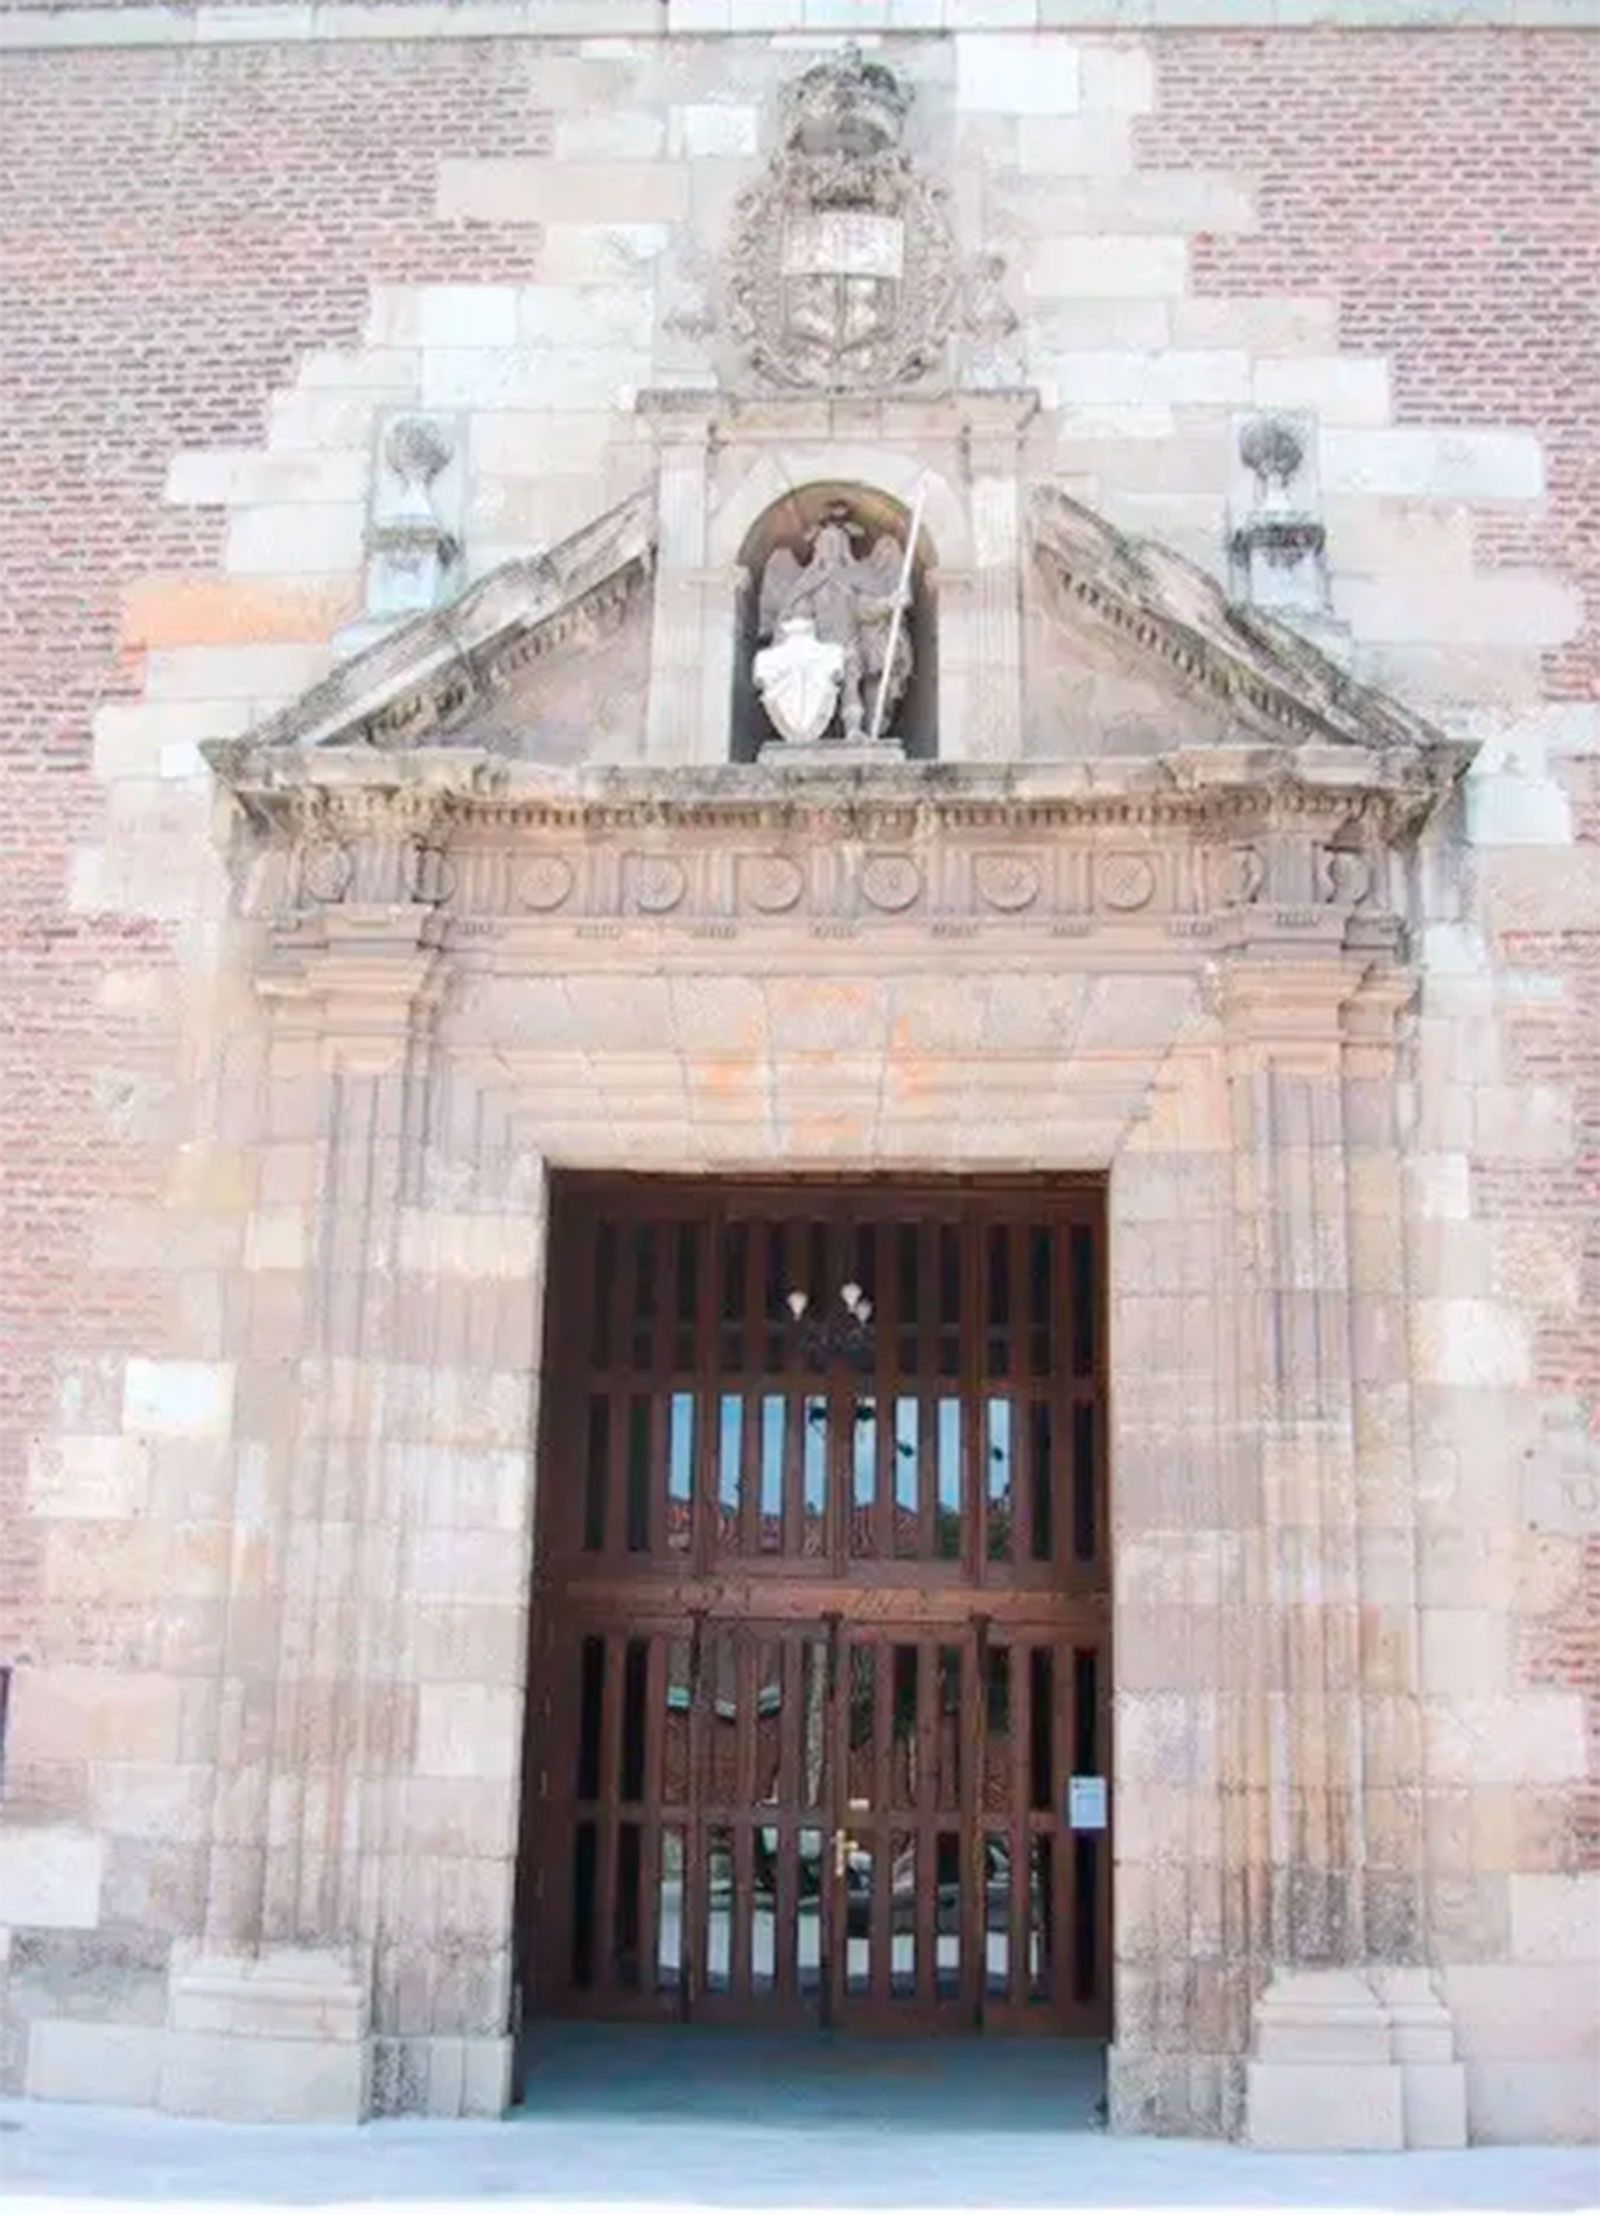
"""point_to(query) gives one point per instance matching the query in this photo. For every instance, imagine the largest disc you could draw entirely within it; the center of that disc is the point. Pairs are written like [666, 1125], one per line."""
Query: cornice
[286, 794]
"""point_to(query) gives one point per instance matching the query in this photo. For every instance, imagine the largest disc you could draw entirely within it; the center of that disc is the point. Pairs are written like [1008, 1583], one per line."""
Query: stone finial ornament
[411, 541]
[841, 271]
[1277, 540]
[845, 602]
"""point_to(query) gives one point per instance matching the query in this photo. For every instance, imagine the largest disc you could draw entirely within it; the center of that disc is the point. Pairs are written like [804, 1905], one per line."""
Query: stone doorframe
[1187, 972]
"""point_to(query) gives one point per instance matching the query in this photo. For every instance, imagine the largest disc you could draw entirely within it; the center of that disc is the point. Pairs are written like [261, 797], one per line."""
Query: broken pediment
[1123, 628]
[514, 655]
[1133, 652]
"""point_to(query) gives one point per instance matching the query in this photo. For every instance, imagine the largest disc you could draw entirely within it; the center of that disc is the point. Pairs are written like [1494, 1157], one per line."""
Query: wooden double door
[819, 1639]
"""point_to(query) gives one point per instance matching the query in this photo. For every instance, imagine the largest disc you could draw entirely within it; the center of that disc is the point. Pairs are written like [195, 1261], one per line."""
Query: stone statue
[837, 600]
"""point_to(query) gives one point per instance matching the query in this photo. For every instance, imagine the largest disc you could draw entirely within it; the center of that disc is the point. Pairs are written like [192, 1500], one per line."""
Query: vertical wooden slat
[1061, 1401]
[974, 1519]
[694, 1831]
[754, 1344]
[703, 1519]
[974, 1907]
[1021, 1549]
[740, 1911]
[1021, 1795]
[880, 1834]
[927, 1829]
[1061, 1770]
[616, 1650]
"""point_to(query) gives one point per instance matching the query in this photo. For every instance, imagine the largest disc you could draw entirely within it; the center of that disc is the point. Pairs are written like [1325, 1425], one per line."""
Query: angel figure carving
[846, 601]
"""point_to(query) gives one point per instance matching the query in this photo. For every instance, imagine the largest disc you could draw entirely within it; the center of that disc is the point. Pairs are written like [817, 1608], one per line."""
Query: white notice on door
[1086, 1804]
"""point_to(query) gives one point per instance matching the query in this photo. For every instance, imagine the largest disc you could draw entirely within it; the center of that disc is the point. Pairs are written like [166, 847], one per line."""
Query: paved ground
[702, 2123]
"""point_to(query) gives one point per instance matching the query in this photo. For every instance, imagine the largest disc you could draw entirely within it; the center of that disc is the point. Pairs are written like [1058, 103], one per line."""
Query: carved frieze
[1183, 850]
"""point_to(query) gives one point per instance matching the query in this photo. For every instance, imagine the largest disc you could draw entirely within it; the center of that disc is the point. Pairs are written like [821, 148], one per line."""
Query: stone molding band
[342, 21]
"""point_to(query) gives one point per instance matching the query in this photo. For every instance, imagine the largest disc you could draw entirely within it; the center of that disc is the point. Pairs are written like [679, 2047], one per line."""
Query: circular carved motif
[1126, 881]
[658, 883]
[890, 881]
[1007, 881]
[546, 882]
[771, 882]
[325, 871]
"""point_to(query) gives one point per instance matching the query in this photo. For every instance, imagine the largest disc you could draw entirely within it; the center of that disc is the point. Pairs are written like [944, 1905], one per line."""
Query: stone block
[440, 1242]
[1116, 76]
[520, 190]
[1502, 608]
[1524, 2103]
[1170, 379]
[119, 2064]
[601, 318]
[284, 1993]
[81, 1475]
[1274, 324]
[712, 130]
[1470, 1342]
[1074, 146]
[1423, 463]
[1524, 2012]
[1337, 388]
[1001, 74]
[154, 1800]
[81, 1715]
[50, 1878]
[615, 135]
[1555, 1916]
[1323, 2078]
[1529, 1738]
[164, 1399]
[468, 1731]
[1433, 2082]
[600, 253]
[263, 2081]
[1465, 1650]
[1126, 266]
[532, 378]
[1315, 2108]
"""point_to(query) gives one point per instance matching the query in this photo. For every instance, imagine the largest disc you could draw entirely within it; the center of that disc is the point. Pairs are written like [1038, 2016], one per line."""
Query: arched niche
[870, 514]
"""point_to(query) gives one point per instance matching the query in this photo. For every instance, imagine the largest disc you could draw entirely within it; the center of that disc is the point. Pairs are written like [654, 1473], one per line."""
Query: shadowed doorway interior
[819, 1640]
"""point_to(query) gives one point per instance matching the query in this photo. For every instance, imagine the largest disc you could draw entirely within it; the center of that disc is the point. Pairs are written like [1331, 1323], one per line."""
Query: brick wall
[1445, 190]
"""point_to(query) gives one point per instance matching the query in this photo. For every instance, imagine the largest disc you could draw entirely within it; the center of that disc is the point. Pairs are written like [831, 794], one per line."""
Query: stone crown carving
[841, 268]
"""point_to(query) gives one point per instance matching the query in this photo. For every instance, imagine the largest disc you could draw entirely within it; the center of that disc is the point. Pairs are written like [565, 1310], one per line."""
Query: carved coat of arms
[842, 271]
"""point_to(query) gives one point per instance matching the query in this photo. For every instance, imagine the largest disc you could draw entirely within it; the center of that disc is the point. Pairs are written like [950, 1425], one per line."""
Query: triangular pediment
[1168, 627]
[457, 669]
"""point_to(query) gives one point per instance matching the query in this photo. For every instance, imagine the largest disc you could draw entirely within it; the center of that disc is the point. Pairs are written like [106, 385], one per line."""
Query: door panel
[821, 1611]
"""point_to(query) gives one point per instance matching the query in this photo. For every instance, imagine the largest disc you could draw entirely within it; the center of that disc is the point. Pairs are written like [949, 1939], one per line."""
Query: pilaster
[692, 628]
[319, 1722]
